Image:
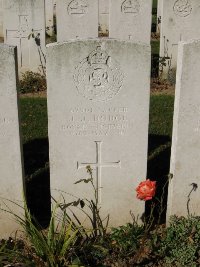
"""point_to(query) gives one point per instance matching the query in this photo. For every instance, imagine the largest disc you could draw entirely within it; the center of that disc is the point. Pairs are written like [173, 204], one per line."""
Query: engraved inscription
[78, 7]
[98, 77]
[130, 7]
[98, 165]
[182, 8]
[89, 122]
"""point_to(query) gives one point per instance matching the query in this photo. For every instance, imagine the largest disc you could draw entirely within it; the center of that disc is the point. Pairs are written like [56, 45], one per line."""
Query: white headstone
[21, 18]
[1, 18]
[98, 104]
[11, 185]
[180, 22]
[49, 11]
[185, 155]
[159, 14]
[131, 20]
[104, 17]
[76, 19]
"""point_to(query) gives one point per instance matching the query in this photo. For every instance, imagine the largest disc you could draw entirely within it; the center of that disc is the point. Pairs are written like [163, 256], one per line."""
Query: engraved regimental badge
[130, 7]
[98, 77]
[182, 8]
[77, 7]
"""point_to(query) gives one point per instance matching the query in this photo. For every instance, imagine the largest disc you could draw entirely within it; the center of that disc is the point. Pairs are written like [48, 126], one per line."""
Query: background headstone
[76, 19]
[104, 17]
[1, 18]
[21, 18]
[185, 155]
[49, 11]
[131, 20]
[159, 14]
[10, 148]
[180, 22]
[98, 106]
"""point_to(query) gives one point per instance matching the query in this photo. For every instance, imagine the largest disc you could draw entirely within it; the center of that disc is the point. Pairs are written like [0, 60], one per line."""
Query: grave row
[24, 24]
[98, 110]
[98, 107]
[123, 19]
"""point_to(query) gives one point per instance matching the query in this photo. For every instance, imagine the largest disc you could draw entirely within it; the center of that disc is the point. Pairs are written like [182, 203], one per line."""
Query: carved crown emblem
[98, 57]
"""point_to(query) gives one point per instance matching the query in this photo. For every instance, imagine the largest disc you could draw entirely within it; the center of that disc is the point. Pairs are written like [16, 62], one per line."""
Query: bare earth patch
[41, 94]
[161, 87]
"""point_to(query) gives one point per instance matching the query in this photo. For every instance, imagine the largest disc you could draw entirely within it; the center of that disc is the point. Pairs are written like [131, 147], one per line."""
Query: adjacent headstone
[98, 106]
[11, 185]
[1, 18]
[180, 22]
[184, 192]
[159, 15]
[131, 20]
[49, 11]
[104, 17]
[23, 21]
[76, 19]
[54, 7]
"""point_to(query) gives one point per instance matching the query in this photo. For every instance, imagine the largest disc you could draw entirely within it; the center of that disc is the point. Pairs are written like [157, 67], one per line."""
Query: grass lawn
[155, 47]
[33, 118]
[155, 3]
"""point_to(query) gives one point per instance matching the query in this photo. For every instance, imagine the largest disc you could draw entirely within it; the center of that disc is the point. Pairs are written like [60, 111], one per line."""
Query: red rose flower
[146, 190]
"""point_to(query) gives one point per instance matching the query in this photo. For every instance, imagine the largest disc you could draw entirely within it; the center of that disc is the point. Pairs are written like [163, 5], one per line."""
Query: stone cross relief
[21, 33]
[98, 165]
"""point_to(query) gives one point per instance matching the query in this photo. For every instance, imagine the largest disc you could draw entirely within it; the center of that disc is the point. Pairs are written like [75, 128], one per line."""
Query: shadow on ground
[36, 165]
[159, 151]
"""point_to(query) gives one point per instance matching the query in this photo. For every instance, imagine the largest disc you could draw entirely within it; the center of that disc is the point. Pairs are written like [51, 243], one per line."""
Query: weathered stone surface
[131, 20]
[22, 18]
[180, 22]
[76, 19]
[49, 11]
[98, 106]
[185, 156]
[11, 185]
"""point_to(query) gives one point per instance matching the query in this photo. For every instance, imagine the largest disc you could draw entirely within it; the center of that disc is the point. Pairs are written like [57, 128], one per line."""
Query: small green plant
[180, 245]
[32, 82]
[52, 247]
[99, 226]
[126, 238]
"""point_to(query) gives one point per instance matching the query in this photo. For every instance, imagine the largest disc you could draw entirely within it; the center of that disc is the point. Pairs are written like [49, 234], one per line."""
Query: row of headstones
[98, 110]
[24, 21]
[128, 19]
[49, 13]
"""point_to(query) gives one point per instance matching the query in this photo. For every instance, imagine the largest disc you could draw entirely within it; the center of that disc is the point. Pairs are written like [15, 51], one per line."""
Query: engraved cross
[21, 33]
[98, 165]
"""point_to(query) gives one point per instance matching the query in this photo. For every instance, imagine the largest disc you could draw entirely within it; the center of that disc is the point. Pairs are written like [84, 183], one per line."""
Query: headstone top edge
[100, 40]
[189, 42]
[7, 47]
